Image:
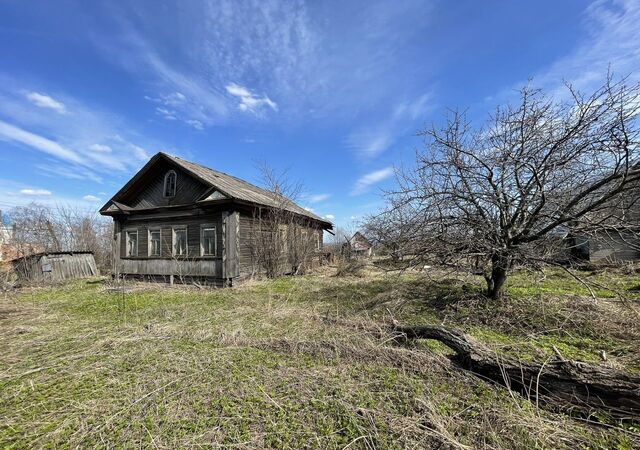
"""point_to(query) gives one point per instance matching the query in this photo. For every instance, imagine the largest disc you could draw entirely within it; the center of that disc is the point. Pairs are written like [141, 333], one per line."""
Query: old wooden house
[360, 245]
[178, 220]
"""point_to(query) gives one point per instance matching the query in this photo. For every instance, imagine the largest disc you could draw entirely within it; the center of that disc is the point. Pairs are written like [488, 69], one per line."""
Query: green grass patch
[282, 363]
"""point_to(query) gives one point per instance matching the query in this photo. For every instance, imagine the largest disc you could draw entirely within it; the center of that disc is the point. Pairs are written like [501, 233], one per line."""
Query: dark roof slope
[233, 187]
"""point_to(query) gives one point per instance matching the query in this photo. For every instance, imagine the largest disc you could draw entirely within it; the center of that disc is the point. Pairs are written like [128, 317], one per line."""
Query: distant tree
[502, 194]
[37, 228]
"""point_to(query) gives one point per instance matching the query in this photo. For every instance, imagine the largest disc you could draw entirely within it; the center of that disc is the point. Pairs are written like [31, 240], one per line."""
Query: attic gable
[147, 188]
[213, 195]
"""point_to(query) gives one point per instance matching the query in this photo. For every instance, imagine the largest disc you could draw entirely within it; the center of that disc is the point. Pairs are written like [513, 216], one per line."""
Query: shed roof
[40, 254]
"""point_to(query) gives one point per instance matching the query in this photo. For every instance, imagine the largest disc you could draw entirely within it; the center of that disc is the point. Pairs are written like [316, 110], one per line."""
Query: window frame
[127, 249]
[149, 240]
[174, 241]
[213, 227]
[175, 184]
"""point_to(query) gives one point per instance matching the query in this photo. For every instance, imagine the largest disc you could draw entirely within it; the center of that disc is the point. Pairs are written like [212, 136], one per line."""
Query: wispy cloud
[365, 182]
[248, 101]
[36, 192]
[14, 193]
[65, 171]
[226, 55]
[316, 198]
[611, 43]
[10, 132]
[100, 148]
[82, 142]
[370, 141]
[44, 101]
[91, 198]
[329, 216]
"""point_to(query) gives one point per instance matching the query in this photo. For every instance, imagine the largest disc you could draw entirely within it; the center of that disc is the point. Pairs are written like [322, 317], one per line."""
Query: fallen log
[571, 385]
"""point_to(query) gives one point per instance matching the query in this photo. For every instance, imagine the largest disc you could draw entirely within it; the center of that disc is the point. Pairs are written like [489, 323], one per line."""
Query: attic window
[170, 184]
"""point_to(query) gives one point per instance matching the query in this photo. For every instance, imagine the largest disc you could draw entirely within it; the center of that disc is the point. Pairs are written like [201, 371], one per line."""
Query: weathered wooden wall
[63, 266]
[193, 264]
[151, 194]
[613, 247]
[248, 241]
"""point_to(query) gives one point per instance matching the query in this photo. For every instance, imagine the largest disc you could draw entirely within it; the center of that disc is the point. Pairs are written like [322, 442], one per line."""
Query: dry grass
[288, 363]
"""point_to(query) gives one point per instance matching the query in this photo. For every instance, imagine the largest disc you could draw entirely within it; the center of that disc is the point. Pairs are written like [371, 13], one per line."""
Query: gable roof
[357, 236]
[232, 187]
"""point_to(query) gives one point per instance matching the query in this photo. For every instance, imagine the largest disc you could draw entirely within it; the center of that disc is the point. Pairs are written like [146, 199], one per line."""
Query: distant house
[616, 243]
[605, 247]
[360, 246]
[55, 266]
[176, 218]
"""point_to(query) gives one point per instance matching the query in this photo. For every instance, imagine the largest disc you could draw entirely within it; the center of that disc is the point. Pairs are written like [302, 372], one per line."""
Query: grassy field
[299, 362]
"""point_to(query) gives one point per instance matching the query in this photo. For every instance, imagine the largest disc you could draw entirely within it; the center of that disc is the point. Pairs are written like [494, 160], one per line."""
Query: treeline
[38, 228]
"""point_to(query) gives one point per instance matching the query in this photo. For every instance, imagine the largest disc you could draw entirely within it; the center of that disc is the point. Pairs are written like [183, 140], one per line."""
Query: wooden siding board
[149, 191]
[612, 248]
[64, 266]
[248, 265]
[168, 264]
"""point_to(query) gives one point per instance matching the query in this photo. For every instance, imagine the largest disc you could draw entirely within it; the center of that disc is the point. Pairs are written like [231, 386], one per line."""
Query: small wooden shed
[55, 266]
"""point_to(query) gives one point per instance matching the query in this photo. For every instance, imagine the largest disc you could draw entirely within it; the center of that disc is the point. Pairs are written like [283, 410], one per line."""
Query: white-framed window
[208, 242]
[132, 242]
[170, 182]
[180, 241]
[155, 242]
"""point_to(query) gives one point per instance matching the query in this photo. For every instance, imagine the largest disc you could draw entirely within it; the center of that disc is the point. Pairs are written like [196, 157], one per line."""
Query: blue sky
[331, 91]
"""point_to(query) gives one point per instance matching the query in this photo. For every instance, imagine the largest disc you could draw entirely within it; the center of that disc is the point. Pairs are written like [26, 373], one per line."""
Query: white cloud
[166, 113]
[306, 208]
[140, 153]
[611, 43]
[35, 192]
[330, 216]
[248, 101]
[90, 198]
[238, 90]
[94, 141]
[100, 148]
[70, 172]
[12, 133]
[195, 124]
[371, 141]
[44, 101]
[366, 181]
[316, 198]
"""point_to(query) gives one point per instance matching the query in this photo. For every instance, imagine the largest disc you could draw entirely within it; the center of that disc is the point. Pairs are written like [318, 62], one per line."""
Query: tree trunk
[571, 385]
[495, 281]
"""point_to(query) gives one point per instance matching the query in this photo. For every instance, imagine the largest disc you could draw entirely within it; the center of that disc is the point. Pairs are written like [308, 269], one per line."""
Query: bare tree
[37, 228]
[281, 240]
[503, 194]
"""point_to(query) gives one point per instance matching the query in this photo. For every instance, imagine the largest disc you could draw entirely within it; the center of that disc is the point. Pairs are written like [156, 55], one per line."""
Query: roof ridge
[273, 196]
